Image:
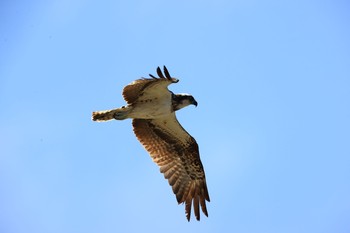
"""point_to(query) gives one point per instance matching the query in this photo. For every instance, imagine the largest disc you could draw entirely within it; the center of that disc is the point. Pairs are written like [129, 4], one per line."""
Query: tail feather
[117, 114]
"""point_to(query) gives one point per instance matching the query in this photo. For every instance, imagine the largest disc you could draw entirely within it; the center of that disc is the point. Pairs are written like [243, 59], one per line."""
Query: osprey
[152, 107]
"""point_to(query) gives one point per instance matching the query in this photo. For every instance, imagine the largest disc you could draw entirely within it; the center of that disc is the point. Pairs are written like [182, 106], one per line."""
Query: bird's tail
[118, 114]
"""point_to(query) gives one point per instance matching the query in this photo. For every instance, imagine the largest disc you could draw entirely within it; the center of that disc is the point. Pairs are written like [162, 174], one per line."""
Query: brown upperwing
[176, 153]
[156, 86]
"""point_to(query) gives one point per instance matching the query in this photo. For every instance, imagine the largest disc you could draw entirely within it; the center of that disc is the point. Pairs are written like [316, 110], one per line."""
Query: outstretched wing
[176, 153]
[142, 88]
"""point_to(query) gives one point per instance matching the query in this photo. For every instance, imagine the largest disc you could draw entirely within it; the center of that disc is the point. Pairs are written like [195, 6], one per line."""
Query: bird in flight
[152, 107]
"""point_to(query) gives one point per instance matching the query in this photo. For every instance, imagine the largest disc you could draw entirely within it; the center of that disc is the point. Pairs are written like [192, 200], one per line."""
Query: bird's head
[183, 100]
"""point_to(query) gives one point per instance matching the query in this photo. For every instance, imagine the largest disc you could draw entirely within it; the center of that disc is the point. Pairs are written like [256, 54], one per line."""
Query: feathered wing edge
[197, 196]
[184, 173]
[132, 91]
[160, 74]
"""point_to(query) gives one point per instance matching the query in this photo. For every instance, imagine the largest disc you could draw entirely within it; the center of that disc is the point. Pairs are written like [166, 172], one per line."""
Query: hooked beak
[195, 103]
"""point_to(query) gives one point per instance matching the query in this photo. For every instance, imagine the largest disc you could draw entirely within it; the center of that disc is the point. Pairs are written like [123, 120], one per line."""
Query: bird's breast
[151, 108]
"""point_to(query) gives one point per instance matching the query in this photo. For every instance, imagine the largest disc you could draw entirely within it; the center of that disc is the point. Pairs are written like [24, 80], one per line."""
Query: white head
[183, 100]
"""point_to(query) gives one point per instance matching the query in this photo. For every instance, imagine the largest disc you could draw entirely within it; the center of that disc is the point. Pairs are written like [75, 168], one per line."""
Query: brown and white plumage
[152, 107]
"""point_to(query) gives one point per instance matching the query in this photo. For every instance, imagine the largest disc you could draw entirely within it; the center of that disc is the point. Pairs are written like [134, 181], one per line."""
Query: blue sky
[272, 81]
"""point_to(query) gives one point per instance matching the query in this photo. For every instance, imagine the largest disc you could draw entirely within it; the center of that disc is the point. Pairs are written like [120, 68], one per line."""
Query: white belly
[150, 109]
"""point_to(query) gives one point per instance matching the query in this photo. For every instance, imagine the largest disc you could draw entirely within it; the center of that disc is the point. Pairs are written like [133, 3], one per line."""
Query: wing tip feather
[160, 73]
[166, 75]
[196, 196]
[188, 205]
[166, 72]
